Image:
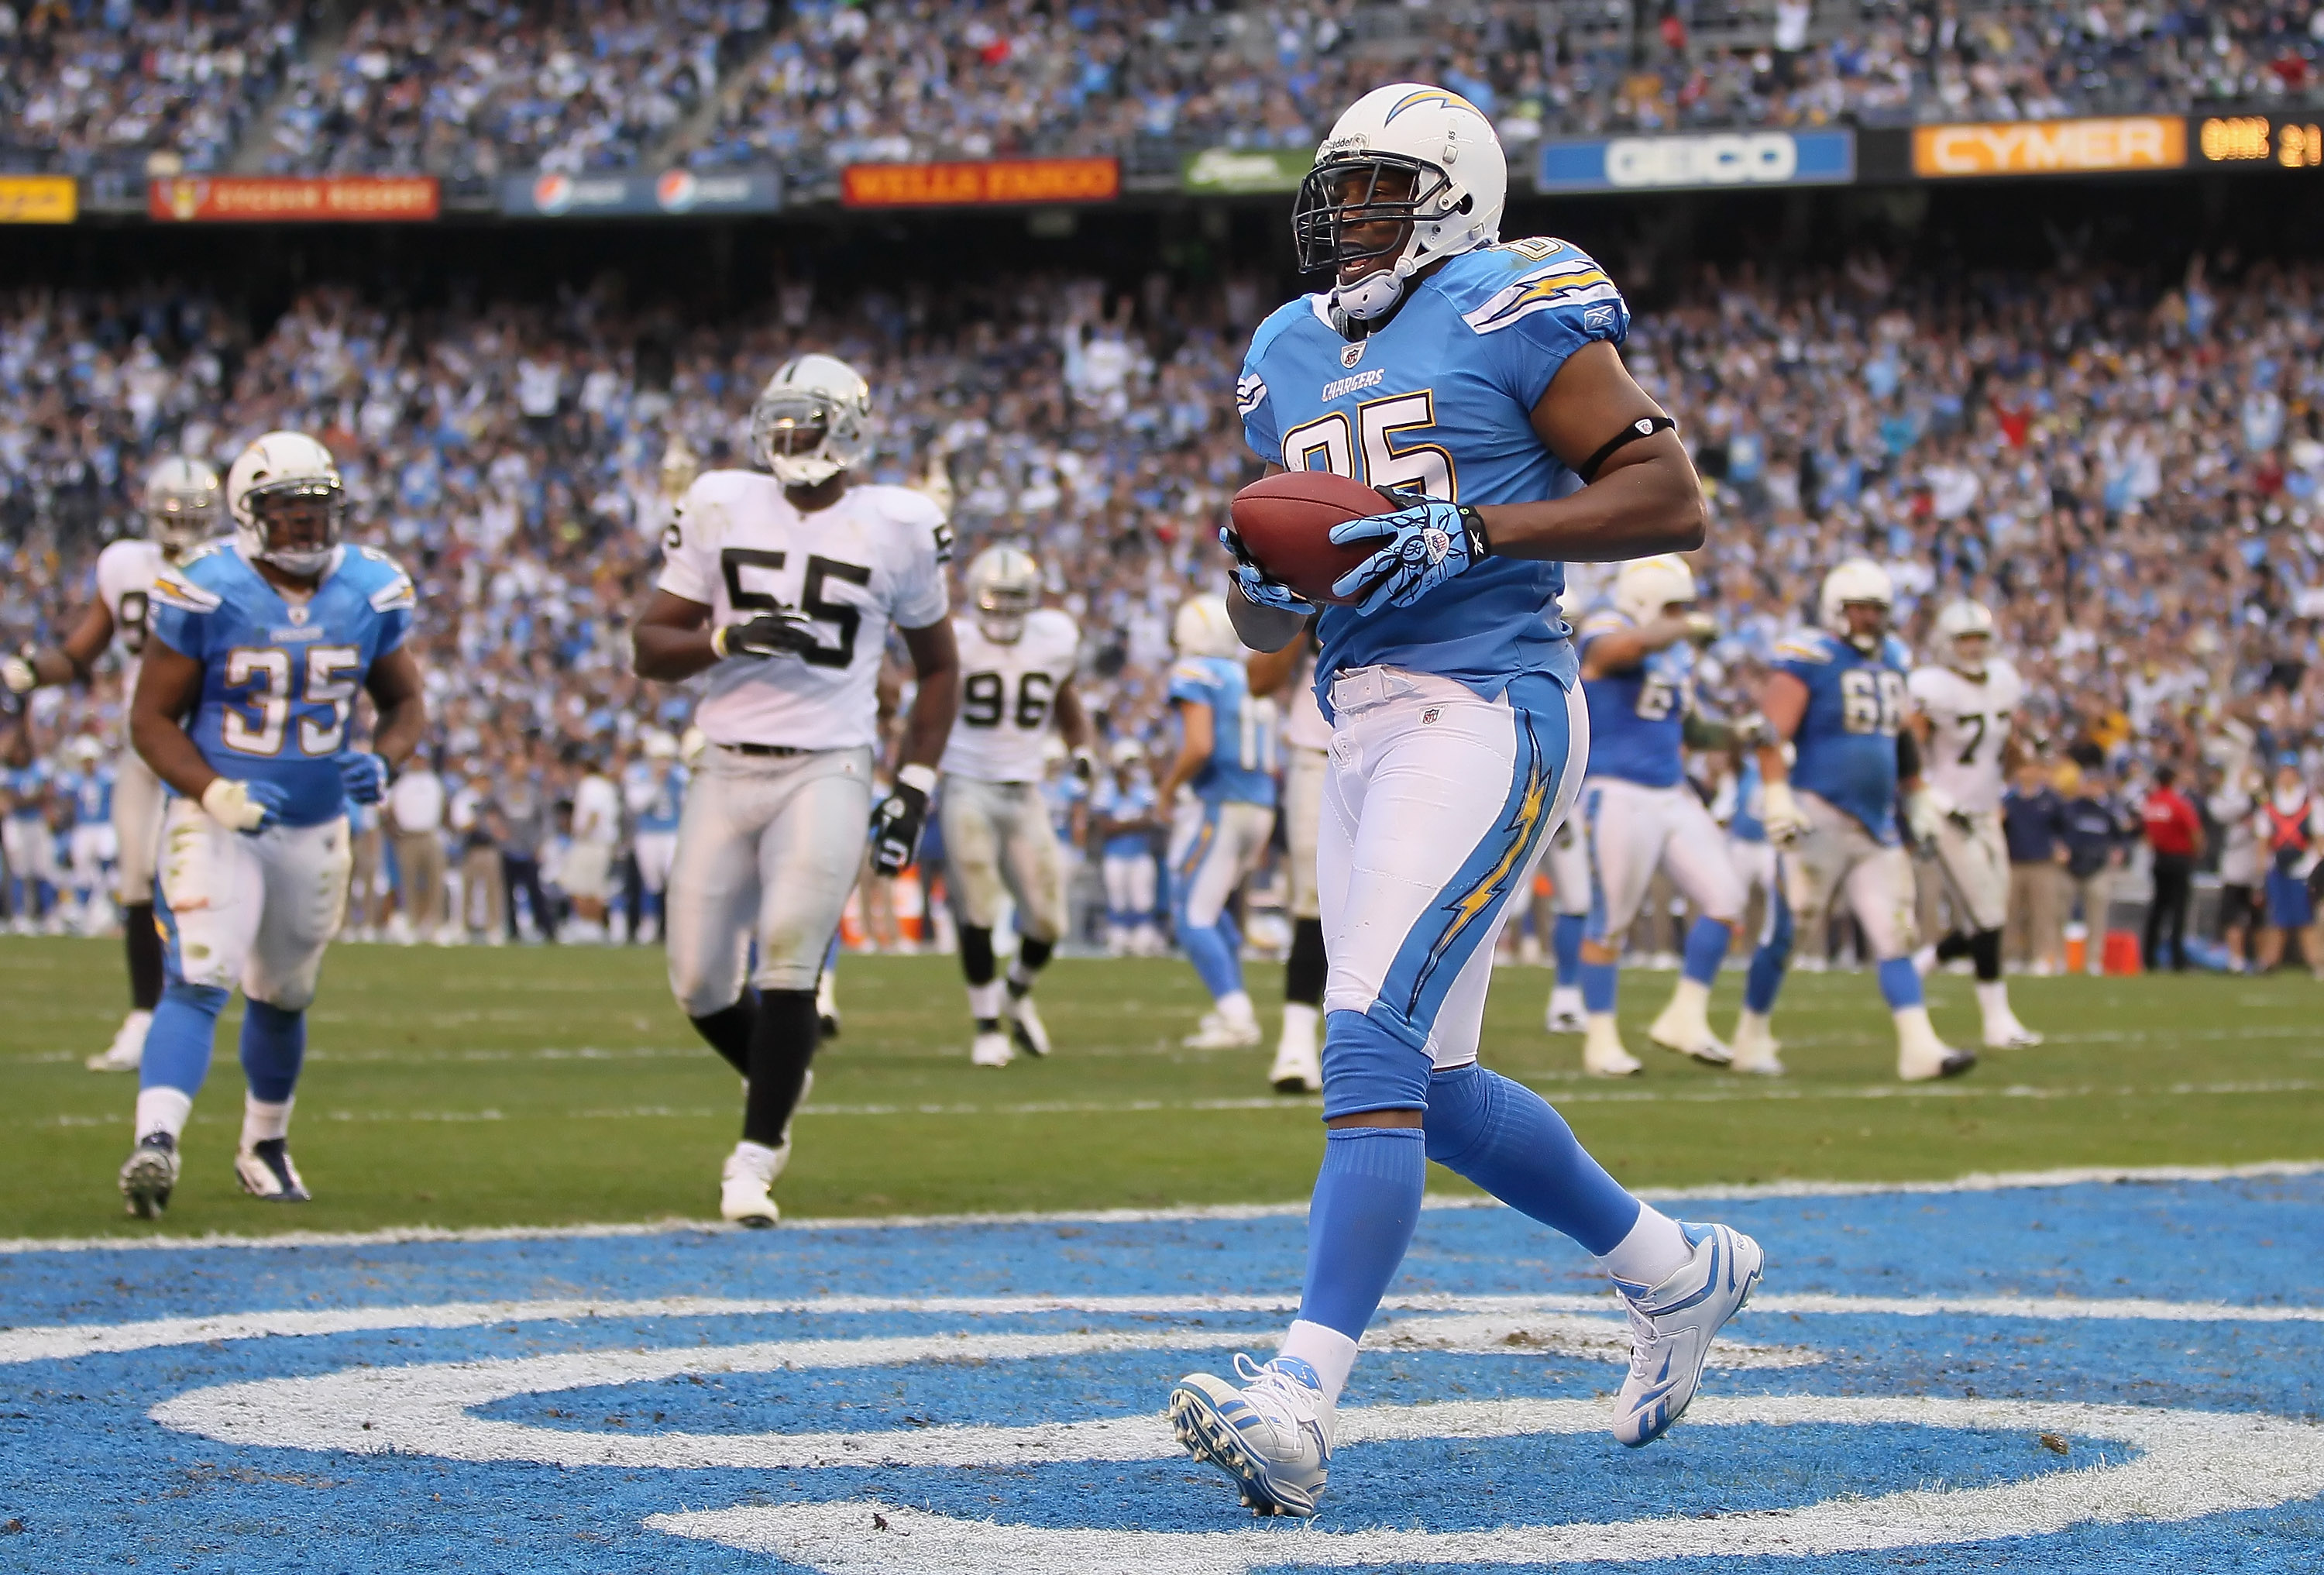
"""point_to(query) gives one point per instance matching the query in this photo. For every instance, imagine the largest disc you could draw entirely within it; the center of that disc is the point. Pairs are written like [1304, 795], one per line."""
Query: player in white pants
[1964, 707]
[1016, 662]
[783, 589]
[182, 509]
[1306, 759]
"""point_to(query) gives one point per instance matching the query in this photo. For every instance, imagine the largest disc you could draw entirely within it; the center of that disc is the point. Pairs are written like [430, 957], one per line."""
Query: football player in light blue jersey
[1481, 383]
[653, 788]
[1638, 671]
[1838, 695]
[258, 649]
[1220, 823]
[1758, 864]
[1123, 817]
[27, 840]
[91, 845]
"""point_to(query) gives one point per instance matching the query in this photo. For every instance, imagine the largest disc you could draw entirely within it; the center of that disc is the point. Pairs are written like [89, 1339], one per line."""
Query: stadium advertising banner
[1227, 172]
[1696, 160]
[2256, 142]
[334, 199]
[673, 192]
[39, 199]
[2050, 147]
[981, 182]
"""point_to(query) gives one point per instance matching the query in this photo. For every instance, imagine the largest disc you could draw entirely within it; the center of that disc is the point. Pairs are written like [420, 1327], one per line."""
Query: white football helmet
[1127, 753]
[812, 421]
[1203, 629]
[1965, 619]
[1855, 580]
[181, 504]
[1644, 587]
[1459, 178]
[1004, 586]
[278, 468]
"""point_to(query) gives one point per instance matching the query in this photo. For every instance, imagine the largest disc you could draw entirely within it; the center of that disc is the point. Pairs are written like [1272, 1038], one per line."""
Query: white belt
[1357, 689]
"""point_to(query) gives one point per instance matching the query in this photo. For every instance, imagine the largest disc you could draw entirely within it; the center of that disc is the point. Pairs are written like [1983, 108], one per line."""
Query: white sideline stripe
[1974, 1182]
[2189, 1464]
[1562, 1094]
[62, 1342]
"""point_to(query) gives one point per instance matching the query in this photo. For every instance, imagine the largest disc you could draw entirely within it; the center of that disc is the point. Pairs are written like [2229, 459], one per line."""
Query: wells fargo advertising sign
[328, 199]
[2050, 147]
[991, 181]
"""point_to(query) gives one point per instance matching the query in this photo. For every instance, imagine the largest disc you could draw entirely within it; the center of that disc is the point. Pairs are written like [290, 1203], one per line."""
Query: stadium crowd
[2128, 470]
[477, 89]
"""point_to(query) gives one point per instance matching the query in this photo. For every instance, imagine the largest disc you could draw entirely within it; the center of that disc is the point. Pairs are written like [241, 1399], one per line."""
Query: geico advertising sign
[1776, 158]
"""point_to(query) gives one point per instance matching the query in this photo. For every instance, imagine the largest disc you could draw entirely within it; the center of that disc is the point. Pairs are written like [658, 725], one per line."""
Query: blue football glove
[365, 774]
[1257, 588]
[1428, 542]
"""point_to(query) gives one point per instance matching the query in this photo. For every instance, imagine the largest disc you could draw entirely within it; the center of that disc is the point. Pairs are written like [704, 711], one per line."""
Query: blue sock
[1366, 1203]
[1706, 949]
[1566, 942]
[1506, 1138]
[178, 1045]
[1766, 977]
[1900, 983]
[1215, 959]
[274, 1049]
[1597, 987]
[831, 952]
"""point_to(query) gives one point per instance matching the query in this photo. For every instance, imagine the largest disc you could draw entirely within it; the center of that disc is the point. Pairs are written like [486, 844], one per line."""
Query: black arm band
[1908, 755]
[1644, 427]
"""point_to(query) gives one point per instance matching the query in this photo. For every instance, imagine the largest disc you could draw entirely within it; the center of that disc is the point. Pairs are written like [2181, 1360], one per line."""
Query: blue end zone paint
[97, 1481]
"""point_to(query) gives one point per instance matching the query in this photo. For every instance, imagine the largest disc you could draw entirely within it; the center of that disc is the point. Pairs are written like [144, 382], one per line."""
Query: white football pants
[1304, 771]
[1213, 844]
[1569, 868]
[1838, 857]
[137, 798]
[1759, 869]
[1975, 859]
[1130, 884]
[251, 910]
[1437, 807]
[1631, 830]
[997, 836]
[30, 849]
[655, 851]
[767, 848]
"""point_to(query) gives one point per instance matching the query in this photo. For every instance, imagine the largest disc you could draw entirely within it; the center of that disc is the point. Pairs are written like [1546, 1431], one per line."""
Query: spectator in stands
[2174, 836]
[2091, 828]
[2033, 822]
[415, 817]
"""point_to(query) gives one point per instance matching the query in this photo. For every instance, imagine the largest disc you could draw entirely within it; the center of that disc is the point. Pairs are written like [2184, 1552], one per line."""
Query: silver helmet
[182, 501]
[812, 421]
[1004, 586]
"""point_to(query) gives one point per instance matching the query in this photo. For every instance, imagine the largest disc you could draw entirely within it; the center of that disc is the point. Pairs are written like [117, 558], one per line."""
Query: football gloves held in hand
[782, 632]
[364, 773]
[896, 822]
[244, 806]
[1427, 542]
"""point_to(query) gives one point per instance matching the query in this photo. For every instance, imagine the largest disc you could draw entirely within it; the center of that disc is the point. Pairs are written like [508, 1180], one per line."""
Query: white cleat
[991, 1050]
[1603, 1054]
[1925, 961]
[149, 1174]
[826, 1005]
[1672, 1325]
[1920, 1055]
[1297, 1069]
[127, 1051]
[746, 1180]
[1754, 1047]
[2012, 1035]
[265, 1171]
[1565, 1014]
[1273, 1436]
[1686, 1033]
[1025, 1026]
[1217, 1032]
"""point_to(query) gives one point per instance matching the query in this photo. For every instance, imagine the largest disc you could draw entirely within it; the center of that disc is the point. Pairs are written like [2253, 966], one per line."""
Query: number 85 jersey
[872, 561]
[280, 678]
[1006, 693]
[1846, 737]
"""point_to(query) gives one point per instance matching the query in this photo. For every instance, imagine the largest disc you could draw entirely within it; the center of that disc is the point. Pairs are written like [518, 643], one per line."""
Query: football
[1286, 524]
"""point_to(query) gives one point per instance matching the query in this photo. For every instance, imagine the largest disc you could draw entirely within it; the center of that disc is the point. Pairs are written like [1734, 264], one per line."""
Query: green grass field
[544, 1086]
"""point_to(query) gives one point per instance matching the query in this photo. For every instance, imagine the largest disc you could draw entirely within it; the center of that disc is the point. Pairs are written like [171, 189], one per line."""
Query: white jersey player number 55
[820, 571]
[1332, 435]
